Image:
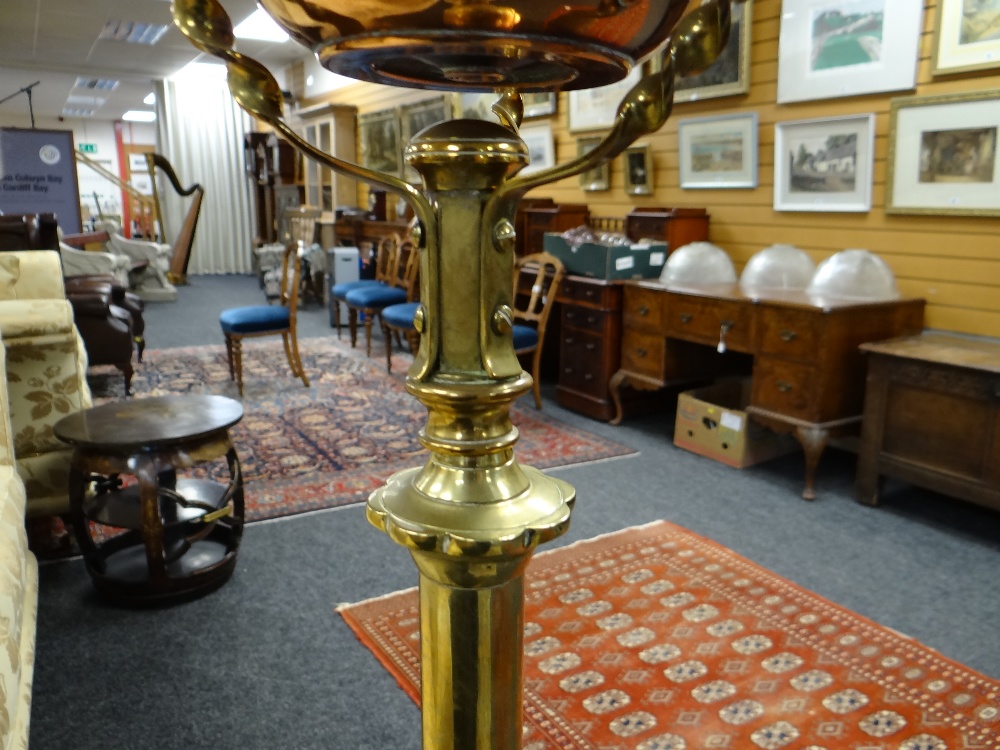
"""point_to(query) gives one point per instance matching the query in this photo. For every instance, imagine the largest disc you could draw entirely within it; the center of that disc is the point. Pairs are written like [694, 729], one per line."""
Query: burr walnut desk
[932, 417]
[807, 370]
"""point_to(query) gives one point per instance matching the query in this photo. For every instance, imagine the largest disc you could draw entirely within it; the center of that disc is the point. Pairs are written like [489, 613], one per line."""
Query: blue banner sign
[38, 175]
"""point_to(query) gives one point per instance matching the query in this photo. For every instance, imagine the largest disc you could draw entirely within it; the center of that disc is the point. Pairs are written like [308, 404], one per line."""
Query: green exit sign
[87, 148]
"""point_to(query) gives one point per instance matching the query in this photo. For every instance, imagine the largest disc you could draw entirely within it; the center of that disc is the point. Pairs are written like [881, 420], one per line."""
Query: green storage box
[639, 261]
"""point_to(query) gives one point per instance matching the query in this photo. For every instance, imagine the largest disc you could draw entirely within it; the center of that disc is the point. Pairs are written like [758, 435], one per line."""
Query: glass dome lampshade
[854, 274]
[698, 263]
[778, 267]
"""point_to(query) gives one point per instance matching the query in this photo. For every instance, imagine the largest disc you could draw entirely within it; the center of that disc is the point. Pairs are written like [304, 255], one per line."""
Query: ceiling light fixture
[103, 84]
[134, 32]
[150, 99]
[260, 26]
[139, 115]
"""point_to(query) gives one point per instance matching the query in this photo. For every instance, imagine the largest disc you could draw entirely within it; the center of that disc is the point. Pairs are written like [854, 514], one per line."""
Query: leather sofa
[18, 592]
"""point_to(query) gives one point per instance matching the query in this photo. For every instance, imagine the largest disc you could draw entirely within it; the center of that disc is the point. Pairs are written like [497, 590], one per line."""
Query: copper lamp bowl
[480, 45]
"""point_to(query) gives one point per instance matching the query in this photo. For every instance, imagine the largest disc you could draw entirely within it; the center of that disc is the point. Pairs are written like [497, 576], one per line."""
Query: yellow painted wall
[953, 262]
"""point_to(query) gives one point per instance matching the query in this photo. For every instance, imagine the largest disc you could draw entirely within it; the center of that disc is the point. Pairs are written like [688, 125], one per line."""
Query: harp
[185, 238]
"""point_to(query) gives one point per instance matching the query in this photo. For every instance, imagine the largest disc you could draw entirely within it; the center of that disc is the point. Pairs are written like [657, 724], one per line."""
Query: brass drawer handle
[570, 315]
[588, 376]
[588, 293]
[788, 336]
[590, 346]
[641, 352]
[569, 340]
[784, 386]
[686, 317]
[568, 370]
[643, 311]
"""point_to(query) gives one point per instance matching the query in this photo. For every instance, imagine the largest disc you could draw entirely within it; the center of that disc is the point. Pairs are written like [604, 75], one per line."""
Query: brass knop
[420, 319]
[503, 320]
[504, 236]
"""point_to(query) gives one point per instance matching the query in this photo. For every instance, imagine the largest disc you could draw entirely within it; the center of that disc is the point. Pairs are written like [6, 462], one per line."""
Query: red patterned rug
[305, 449]
[654, 638]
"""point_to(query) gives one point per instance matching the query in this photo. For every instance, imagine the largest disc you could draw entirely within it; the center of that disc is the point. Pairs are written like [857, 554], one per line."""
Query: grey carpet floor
[265, 663]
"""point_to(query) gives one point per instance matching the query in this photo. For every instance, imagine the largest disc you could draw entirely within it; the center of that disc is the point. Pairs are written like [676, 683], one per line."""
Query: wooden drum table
[177, 537]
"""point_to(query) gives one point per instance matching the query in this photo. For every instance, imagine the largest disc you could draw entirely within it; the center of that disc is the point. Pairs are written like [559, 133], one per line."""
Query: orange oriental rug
[654, 638]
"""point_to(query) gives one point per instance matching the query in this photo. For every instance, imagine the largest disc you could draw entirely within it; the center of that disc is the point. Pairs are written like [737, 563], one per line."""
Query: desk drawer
[581, 364]
[643, 353]
[784, 387]
[701, 319]
[788, 333]
[575, 289]
[643, 308]
[584, 318]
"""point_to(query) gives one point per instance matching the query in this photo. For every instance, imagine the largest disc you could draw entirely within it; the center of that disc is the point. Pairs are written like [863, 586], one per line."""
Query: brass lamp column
[472, 516]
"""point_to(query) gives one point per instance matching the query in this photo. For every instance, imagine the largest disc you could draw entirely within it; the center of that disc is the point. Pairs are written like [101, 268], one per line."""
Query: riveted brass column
[472, 516]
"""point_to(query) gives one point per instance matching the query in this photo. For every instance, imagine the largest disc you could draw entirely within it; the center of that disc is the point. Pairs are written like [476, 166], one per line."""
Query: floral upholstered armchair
[46, 373]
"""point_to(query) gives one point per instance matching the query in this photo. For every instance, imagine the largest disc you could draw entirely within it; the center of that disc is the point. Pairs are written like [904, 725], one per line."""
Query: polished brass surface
[480, 45]
[472, 516]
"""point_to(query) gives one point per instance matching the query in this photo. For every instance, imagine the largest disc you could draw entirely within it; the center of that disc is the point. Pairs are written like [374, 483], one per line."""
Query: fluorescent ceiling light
[150, 99]
[260, 26]
[134, 32]
[139, 115]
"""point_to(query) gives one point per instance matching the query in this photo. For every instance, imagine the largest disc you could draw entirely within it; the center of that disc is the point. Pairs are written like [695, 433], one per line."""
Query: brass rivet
[504, 236]
[503, 320]
[418, 234]
[420, 319]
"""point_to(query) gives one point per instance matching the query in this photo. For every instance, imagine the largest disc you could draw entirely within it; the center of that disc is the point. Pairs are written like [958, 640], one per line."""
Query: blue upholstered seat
[339, 291]
[255, 319]
[400, 316]
[370, 297]
[525, 337]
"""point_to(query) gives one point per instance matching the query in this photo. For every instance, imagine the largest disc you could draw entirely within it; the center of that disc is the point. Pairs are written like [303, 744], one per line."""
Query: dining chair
[385, 258]
[254, 321]
[369, 301]
[398, 320]
[536, 283]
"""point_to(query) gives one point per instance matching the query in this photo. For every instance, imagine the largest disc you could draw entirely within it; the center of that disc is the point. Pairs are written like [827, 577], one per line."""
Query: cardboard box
[639, 261]
[711, 422]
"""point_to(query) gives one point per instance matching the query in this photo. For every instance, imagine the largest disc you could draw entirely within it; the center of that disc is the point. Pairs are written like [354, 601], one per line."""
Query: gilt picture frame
[637, 166]
[838, 48]
[718, 152]
[729, 75]
[824, 164]
[597, 179]
[381, 145]
[943, 155]
[966, 36]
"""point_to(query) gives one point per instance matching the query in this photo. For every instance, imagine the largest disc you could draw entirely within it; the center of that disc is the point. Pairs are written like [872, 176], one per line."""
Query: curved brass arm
[206, 25]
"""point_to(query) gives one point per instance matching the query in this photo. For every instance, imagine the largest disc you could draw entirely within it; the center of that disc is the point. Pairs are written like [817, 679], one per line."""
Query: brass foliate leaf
[700, 37]
[254, 88]
[205, 23]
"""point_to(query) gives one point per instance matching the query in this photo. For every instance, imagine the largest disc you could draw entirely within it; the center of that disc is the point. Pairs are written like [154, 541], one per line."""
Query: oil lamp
[472, 516]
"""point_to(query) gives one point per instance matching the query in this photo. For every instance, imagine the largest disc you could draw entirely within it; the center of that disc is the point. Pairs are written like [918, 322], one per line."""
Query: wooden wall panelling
[952, 261]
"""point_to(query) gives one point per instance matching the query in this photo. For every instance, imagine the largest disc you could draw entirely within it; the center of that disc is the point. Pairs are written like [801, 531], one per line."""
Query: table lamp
[472, 516]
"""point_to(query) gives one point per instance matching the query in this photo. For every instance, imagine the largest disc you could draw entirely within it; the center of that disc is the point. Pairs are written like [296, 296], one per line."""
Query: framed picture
[598, 178]
[943, 155]
[730, 74]
[595, 109]
[380, 142]
[541, 146]
[637, 164]
[824, 165]
[967, 36]
[834, 48]
[415, 117]
[718, 152]
[539, 105]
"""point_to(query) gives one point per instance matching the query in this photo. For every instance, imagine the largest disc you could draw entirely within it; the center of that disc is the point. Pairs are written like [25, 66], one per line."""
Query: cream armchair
[18, 593]
[152, 283]
[46, 373]
[94, 263]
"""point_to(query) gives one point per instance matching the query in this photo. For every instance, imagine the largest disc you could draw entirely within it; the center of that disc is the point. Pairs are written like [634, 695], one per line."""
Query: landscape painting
[980, 21]
[717, 152]
[847, 34]
[823, 164]
[966, 155]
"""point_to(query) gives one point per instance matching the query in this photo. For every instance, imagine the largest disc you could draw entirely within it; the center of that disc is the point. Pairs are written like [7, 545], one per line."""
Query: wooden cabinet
[537, 216]
[675, 226]
[272, 166]
[807, 371]
[932, 417]
[330, 128]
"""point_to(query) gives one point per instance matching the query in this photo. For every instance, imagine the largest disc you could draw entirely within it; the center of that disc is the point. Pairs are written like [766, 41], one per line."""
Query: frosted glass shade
[854, 274]
[778, 267]
[698, 263]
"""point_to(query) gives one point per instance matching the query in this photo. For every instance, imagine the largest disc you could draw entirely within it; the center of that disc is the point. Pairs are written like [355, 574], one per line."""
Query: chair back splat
[239, 323]
[536, 283]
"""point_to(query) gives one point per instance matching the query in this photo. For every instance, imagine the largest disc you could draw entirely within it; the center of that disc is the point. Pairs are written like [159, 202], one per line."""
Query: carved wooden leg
[298, 361]
[238, 363]
[336, 316]
[352, 321]
[613, 385]
[140, 347]
[387, 335]
[286, 341]
[368, 331]
[128, 371]
[229, 358]
[813, 442]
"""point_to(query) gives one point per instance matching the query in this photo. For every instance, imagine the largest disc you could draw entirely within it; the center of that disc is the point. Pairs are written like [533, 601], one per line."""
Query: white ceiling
[54, 41]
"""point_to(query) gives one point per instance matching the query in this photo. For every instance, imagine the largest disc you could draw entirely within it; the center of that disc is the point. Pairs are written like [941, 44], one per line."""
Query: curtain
[200, 131]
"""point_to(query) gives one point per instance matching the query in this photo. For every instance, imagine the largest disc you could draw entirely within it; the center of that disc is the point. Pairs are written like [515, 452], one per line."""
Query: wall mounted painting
[541, 146]
[967, 36]
[595, 109]
[380, 141]
[637, 162]
[824, 165]
[539, 105]
[718, 152]
[415, 117]
[730, 74]
[835, 48]
[599, 178]
[943, 155]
